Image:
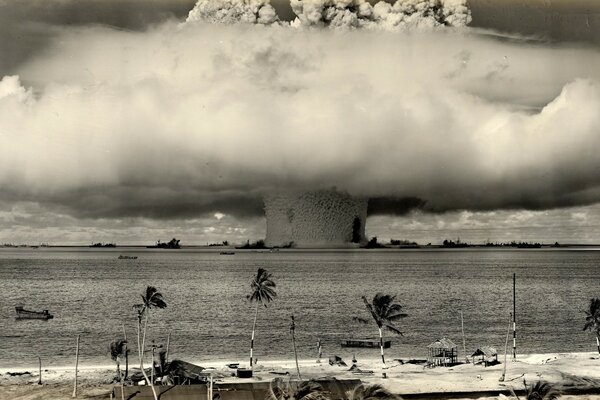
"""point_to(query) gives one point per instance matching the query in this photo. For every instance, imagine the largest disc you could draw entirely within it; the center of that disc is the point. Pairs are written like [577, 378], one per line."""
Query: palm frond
[541, 391]
[371, 392]
[263, 288]
[392, 328]
[592, 319]
[117, 349]
[371, 308]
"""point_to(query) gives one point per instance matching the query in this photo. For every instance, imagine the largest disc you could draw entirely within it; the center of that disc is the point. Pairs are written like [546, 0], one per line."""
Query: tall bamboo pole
[293, 329]
[506, 349]
[76, 366]
[40, 368]
[462, 328]
[126, 353]
[167, 352]
[514, 316]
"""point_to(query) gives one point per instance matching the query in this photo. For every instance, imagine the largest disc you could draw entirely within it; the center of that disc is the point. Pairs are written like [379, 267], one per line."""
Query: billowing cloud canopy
[182, 120]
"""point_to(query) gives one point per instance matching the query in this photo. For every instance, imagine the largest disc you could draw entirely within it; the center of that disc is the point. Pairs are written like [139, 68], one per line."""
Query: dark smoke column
[324, 218]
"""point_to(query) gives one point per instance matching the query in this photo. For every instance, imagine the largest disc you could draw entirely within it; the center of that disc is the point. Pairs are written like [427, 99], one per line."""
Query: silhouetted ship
[26, 314]
[172, 244]
[122, 257]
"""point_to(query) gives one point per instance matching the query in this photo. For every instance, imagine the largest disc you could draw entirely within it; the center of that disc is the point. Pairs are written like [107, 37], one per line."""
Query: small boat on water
[227, 253]
[26, 314]
[122, 257]
[365, 343]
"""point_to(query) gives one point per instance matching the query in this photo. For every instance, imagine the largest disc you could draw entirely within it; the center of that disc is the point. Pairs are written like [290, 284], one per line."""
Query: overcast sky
[121, 123]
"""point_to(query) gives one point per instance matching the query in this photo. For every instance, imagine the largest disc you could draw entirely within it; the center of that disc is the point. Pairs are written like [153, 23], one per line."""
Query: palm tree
[118, 349]
[152, 298]
[384, 311]
[307, 390]
[592, 320]
[371, 392]
[263, 292]
[539, 391]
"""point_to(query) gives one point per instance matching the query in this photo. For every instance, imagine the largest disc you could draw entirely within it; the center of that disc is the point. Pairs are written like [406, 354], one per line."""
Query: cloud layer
[188, 120]
[398, 15]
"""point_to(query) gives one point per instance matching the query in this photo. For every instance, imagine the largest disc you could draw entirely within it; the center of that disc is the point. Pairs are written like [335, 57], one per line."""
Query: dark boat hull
[365, 343]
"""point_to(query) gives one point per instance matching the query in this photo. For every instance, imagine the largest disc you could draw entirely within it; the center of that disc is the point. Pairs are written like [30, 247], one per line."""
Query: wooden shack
[488, 355]
[442, 352]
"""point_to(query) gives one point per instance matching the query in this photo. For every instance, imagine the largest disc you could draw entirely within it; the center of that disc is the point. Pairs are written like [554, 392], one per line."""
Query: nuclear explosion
[325, 218]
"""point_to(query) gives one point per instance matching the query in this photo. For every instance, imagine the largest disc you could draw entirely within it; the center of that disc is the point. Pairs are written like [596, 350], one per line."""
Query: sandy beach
[568, 371]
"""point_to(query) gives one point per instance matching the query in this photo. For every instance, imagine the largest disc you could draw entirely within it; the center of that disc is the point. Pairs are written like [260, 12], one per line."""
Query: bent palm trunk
[381, 346]
[141, 353]
[252, 340]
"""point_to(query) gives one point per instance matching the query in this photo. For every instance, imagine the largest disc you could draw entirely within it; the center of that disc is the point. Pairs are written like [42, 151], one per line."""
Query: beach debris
[355, 370]
[244, 373]
[18, 373]
[337, 360]
[233, 365]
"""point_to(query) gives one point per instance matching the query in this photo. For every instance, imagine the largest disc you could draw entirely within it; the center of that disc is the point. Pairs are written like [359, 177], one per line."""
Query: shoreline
[570, 372]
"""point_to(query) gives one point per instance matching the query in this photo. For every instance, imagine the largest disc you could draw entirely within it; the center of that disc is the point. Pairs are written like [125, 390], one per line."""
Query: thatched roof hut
[488, 355]
[442, 352]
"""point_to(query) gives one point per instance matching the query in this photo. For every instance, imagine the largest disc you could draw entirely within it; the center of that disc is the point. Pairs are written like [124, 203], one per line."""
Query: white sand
[579, 370]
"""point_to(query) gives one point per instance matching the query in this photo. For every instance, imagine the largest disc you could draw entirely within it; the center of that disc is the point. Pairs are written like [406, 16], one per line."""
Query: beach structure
[487, 355]
[323, 218]
[442, 352]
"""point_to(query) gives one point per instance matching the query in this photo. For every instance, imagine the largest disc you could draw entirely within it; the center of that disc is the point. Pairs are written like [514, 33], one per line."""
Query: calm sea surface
[91, 292]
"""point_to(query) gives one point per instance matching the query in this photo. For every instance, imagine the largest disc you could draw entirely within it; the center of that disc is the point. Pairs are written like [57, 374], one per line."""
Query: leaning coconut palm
[118, 349]
[384, 311]
[263, 292]
[592, 320]
[371, 392]
[307, 390]
[152, 298]
[538, 391]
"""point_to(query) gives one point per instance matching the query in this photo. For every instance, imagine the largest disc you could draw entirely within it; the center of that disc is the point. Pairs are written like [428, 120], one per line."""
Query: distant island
[103, 244]
[171, 244]
[448, 243]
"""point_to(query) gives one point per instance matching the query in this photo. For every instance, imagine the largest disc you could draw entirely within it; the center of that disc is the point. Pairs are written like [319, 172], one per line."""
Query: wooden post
[76, 366]
[167, 352]
[514, 316]
[462, 328]
[40, 365]
[292, 329]
[126, 354]
[320, 352]
[506, 350]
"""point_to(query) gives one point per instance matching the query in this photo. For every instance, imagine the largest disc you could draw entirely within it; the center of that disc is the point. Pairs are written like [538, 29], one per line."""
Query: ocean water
[91, 292]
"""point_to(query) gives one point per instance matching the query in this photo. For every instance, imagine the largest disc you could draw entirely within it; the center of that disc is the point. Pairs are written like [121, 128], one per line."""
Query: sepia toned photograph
[300, 199]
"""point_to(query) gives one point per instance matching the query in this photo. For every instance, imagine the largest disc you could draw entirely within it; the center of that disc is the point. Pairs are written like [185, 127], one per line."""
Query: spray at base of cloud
[402, 15]
[172, 122]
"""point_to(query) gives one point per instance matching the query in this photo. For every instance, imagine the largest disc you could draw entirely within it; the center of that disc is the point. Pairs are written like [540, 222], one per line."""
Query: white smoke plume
[205, 117]
[403, 14]
[234, 11]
